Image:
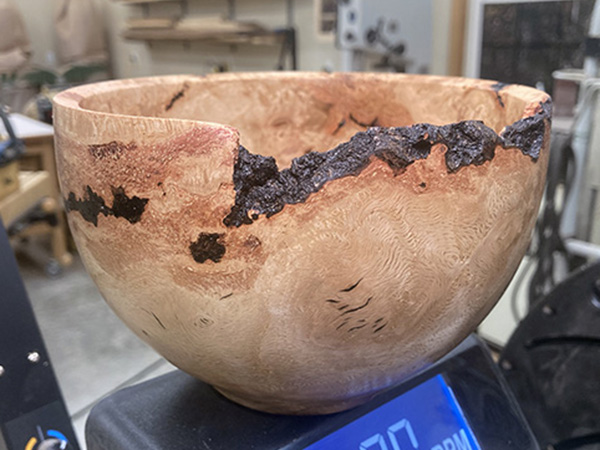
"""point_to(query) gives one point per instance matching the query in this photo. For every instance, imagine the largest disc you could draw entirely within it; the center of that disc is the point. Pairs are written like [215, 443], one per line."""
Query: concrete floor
[92, 351]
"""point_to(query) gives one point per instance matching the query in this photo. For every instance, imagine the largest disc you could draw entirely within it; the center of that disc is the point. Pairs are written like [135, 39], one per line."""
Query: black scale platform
[176, 411]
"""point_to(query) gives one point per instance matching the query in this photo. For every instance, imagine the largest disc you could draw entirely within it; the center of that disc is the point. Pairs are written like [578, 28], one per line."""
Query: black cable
[577, 442]
[288, 45]
[12, 148]
[516, 288]
[550, 244]
[282, 51]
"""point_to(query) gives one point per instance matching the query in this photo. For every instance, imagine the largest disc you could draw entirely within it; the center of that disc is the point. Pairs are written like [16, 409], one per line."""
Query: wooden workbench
[38, 184]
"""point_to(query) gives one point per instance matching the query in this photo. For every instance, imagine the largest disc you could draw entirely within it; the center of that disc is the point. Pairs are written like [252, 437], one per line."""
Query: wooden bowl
[302, 285]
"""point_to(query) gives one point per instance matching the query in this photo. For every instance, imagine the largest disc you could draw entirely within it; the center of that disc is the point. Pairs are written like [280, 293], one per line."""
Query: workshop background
[52, 45]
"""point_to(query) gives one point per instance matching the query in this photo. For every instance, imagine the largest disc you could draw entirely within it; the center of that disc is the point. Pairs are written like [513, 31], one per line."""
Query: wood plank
[151, 23]
[457, 37]
[208, 28]
[217, 23]
[33, 187]
[9, 178]
[263, 38]
[141, 2]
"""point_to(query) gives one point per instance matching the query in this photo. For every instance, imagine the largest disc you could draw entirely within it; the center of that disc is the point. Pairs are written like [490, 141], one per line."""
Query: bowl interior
[286, 115]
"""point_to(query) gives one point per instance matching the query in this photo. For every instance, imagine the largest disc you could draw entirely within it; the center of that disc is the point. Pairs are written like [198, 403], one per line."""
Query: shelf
[207, 29]
[155, 23]
[141, 2]
[255, 38]
[210, 29]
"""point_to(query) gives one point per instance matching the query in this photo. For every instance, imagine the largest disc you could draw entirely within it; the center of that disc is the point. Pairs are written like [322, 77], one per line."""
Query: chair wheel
[53, 268]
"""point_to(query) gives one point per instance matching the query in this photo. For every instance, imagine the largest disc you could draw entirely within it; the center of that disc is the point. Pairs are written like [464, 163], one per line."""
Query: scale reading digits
[429, 417]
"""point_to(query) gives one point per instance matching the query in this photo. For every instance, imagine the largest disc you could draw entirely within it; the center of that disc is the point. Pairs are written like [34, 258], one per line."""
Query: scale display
[426, 417]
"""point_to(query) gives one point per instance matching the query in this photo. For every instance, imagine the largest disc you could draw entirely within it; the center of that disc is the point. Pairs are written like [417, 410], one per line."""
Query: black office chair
[552, 364]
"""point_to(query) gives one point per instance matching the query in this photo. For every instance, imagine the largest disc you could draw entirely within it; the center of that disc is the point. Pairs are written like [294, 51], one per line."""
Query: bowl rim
[72, 98]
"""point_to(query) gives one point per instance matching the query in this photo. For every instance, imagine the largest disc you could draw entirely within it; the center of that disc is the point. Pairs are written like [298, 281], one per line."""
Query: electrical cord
[577, 442]
[288, 46]
[12, 148]
[550, 244]
[546, 242]
[517, 287]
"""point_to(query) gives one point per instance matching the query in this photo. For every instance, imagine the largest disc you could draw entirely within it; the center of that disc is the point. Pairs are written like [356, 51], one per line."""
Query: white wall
[133, 59]
[37, 16]
[440, 32]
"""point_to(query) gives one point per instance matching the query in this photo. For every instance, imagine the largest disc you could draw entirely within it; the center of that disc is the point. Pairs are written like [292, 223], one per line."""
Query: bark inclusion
[261, 189]
[91, 205]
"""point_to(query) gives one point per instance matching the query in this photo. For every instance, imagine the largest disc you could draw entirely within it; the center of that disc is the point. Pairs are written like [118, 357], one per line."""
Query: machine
[385, 29]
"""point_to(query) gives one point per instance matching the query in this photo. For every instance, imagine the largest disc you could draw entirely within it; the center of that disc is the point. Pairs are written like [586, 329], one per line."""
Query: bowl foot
[295, 407]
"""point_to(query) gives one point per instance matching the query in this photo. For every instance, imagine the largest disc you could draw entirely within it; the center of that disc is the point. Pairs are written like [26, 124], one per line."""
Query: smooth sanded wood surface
[341, 292]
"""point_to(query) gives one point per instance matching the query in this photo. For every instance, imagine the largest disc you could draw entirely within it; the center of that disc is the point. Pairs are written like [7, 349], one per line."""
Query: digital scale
[460, 403]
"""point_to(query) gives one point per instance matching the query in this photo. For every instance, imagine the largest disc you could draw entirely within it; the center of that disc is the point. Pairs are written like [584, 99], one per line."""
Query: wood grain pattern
[320, 306]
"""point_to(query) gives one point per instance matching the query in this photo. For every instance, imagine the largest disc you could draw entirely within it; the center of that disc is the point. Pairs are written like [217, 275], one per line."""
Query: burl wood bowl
[302, 241]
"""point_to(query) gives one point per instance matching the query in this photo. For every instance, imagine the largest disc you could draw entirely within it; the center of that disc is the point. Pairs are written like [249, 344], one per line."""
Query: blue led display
[426, 417]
